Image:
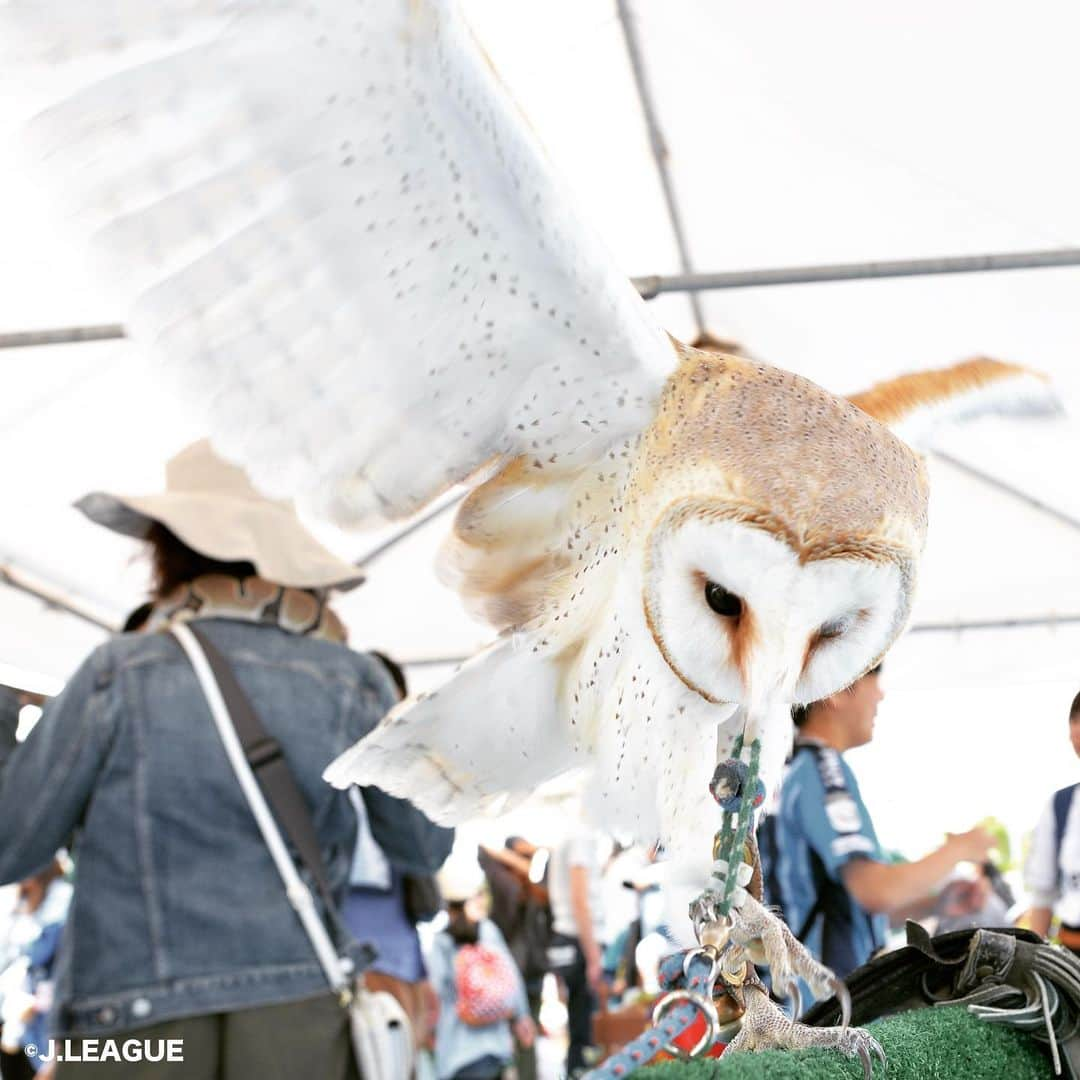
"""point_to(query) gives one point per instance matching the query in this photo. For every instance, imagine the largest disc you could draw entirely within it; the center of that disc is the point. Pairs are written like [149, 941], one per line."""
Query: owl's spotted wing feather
[495, 732]
[525, 541]
[917, 405]
[334, 225]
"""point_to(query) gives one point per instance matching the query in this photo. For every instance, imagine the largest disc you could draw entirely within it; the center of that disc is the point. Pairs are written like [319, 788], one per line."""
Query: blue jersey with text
[819, 826]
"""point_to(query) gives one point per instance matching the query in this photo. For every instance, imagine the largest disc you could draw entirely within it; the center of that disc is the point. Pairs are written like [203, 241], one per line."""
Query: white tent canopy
[797, 134]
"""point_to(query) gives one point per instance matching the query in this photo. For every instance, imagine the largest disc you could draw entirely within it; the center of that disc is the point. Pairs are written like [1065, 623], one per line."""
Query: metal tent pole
[1022, 622]
[1008, 489]
[381, 549]
[653, 284]
[435, 661]
[659, 148]
[70, 335]
[52, 597]
[802, 275]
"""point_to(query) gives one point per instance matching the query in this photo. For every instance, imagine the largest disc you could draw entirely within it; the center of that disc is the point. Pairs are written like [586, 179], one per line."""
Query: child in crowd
[483, 1005]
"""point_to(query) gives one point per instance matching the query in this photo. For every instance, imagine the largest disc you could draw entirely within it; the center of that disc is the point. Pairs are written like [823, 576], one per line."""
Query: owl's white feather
[332, 221]
[490, 736]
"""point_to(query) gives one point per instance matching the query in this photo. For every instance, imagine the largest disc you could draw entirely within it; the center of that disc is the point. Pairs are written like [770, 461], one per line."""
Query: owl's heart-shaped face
[741, 617]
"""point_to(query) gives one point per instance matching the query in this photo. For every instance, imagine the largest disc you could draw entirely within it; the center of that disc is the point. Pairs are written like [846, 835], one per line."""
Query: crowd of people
[144, 900]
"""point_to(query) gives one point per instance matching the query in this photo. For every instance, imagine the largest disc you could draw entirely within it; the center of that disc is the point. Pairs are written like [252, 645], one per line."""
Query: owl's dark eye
[721, 601]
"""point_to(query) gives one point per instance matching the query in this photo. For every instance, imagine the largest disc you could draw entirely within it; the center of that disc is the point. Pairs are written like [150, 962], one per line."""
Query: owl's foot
[767, 940]
[765, 1027]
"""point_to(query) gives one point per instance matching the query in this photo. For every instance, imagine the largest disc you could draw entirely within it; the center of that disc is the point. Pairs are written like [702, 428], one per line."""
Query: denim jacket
[178, 907]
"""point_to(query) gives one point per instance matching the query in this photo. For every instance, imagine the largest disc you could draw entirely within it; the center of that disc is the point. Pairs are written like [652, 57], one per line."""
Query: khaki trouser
[298, 1040]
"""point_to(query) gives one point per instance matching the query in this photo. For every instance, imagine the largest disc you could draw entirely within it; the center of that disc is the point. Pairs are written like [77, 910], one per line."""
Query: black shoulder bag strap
[272, 772]
[819, 904]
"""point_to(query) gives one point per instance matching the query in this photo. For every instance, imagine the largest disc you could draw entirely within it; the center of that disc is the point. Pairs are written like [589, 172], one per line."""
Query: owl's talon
[795, 995]
[761, 932]
[854, 1042]
[864, 1057]
[868, 1048]
[843, 996]
[765, 1027]
[704, 910]
[867, 1065]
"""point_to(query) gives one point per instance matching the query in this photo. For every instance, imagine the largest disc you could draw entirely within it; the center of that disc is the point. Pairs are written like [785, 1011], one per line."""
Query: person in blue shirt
[822, 862]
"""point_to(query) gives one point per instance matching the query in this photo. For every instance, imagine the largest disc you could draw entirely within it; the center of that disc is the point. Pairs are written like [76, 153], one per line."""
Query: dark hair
[801, 713]
[1074, 708]
[138, 618]
[174, 564]
[462, 930]
[396, 672]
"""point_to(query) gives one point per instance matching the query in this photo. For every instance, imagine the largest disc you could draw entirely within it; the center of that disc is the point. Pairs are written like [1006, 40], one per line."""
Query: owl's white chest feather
[653, 742]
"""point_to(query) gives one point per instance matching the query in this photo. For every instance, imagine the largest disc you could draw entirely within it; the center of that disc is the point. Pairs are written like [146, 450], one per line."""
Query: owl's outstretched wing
[334, 225]
[488, 738]
[915, 406]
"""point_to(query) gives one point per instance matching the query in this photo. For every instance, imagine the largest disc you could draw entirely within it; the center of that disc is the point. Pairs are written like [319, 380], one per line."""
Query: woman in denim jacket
[180, 927]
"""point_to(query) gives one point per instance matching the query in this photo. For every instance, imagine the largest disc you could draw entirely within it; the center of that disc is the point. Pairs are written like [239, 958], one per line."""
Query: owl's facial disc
[739, 618]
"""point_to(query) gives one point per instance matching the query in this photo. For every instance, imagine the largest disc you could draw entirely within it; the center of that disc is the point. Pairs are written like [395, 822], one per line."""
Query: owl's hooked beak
[772, 669]
[769, 681]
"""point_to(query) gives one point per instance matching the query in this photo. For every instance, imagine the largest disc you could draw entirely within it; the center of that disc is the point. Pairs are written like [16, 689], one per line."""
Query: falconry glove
[1003, 976]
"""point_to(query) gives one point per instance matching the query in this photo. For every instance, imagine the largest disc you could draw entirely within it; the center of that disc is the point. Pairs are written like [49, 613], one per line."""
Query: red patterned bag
[486, 985]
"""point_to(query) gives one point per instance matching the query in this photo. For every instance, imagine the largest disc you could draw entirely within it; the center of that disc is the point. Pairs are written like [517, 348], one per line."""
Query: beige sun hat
[212, 507]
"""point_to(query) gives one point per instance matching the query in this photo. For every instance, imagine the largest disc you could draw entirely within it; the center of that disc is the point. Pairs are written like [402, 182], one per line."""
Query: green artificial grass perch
[924, 1044]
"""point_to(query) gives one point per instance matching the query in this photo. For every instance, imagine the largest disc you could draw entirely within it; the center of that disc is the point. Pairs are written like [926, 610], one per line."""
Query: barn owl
[346, 246]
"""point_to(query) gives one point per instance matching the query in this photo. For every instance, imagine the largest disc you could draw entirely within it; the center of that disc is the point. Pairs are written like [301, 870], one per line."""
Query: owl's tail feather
[483, 741]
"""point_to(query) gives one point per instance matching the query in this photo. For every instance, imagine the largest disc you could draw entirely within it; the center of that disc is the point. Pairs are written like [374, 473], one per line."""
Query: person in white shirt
[1052, 871]
[575, 889]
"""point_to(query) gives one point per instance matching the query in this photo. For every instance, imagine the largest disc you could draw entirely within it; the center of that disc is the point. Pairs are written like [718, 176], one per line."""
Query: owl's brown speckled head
[784, 528]
[831, 477]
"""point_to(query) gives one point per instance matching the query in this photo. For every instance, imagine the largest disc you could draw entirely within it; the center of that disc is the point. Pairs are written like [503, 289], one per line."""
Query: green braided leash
[729, 841]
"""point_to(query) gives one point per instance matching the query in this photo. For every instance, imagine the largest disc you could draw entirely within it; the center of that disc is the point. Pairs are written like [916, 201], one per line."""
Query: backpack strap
[830, 892]
[818, 908]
